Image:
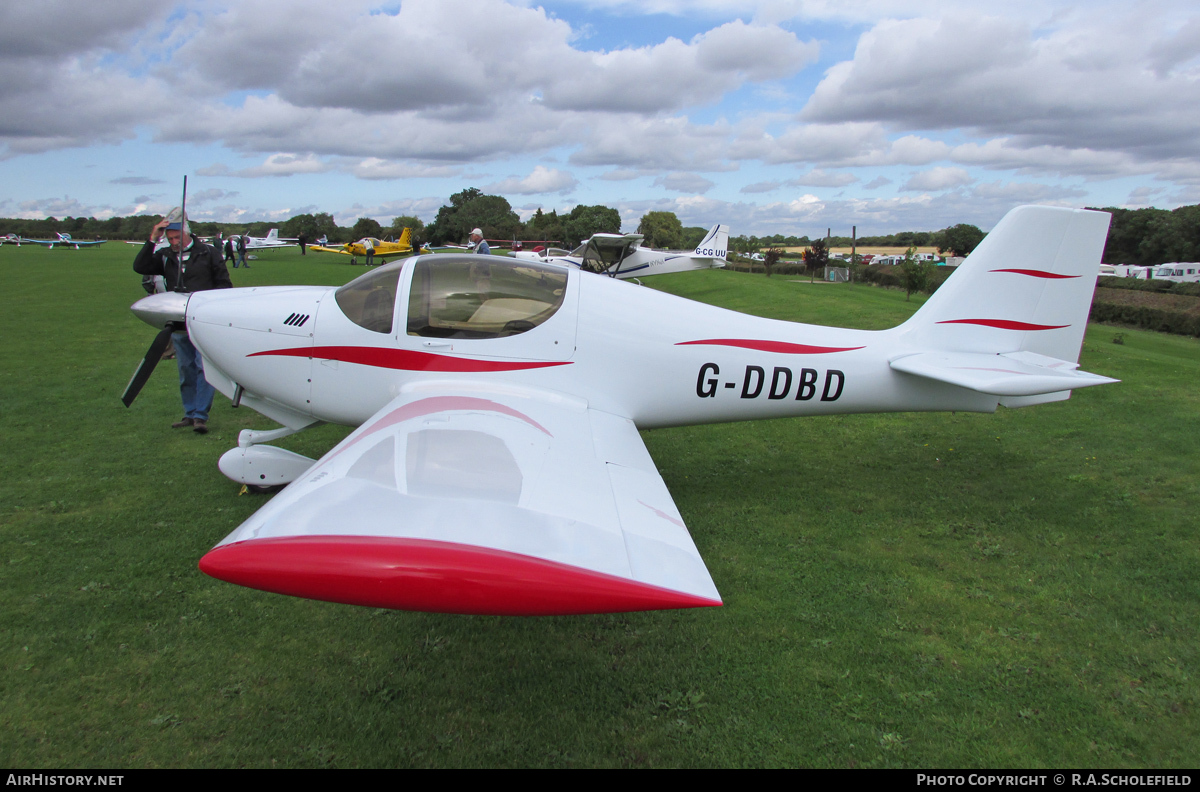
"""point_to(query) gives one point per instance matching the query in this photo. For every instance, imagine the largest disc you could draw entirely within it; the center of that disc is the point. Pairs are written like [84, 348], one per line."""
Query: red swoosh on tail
[770, 346]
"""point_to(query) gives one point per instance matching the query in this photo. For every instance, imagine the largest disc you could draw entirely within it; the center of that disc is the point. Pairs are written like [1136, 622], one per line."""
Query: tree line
[1149, 237]
[1136, 236]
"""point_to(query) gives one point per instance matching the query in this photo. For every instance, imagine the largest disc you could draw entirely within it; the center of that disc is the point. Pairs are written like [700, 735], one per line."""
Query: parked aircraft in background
[517, 245]
[60, 240]
[271, 240]
[497, 466]
[622, 256]
[383, 250]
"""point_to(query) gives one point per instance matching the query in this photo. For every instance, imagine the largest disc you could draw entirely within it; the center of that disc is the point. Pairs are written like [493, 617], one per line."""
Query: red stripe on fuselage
[1036, 273]
[770, 346]
[427, 575]
[406, 359]
[1003, 324]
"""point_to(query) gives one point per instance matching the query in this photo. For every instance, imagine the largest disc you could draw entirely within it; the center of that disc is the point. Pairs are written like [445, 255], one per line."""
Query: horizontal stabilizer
[1011, 374]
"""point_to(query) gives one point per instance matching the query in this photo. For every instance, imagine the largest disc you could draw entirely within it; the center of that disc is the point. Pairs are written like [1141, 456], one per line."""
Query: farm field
[907, 590]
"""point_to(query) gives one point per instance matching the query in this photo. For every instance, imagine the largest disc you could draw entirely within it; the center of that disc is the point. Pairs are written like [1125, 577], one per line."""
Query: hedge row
[889, 276]
[1139, 284]
[1143, 316]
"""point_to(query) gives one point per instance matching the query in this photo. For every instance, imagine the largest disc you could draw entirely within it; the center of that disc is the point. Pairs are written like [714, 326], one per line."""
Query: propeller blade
[146, 367]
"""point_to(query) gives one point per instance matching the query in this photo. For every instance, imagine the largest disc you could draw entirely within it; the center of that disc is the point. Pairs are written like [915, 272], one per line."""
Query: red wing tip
[432, 576]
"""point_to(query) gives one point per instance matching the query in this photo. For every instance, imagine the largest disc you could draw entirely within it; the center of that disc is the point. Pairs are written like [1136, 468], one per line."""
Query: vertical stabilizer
[1027, 287]
[715, 243]
[406, 237]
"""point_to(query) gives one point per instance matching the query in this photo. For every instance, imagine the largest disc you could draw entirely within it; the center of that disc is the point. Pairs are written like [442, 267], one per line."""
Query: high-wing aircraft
[622, 256]
[271, 240]
[497, 466]
[383, 250]
[61, 240]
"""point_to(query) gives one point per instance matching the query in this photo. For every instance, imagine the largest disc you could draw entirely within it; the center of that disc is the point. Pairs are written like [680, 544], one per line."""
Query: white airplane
[622, 256]
[497, 466]
[271, 240]
[60, 240]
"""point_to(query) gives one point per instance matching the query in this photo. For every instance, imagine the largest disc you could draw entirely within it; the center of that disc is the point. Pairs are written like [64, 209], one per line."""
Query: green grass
[914, 590]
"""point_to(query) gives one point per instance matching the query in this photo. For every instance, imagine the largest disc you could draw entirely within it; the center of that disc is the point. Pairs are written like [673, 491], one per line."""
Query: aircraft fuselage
[637, 353]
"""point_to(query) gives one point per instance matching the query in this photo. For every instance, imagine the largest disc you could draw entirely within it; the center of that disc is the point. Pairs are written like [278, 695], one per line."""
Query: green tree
[545, 227]
[470, 209]
[366, 227]
[661, 230]
[816, 257]
[959, 240]
[313, 226]
[407, 221]
[693, 236]
[914, 273]
[771, 258]
[583, 221]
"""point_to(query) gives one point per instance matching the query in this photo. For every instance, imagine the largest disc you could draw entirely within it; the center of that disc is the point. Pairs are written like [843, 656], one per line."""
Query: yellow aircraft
[383, 250]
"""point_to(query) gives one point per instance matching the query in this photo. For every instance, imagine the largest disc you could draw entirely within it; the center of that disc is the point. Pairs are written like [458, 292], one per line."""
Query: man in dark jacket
[201, 269]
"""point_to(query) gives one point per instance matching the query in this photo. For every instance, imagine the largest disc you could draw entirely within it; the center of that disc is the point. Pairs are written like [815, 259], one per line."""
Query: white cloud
[1088, 85]
[374, 168]
[685, 182]
[138, 181]
[829, 144]
[201, 197]
[274, 165]
[937, 179]
[821, 178]
[621, 174]
[541, 180]
[761, 187]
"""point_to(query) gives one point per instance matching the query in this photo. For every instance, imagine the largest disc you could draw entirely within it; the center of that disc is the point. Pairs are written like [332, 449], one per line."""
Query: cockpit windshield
[370, 300]
[481, 296]
[601, 252]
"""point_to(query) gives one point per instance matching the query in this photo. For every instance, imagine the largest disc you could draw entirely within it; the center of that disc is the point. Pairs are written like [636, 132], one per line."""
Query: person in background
[479, 244]
[185, 265]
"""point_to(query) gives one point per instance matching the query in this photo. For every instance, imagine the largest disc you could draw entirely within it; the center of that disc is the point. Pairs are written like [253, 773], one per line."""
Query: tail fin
[406, 237]
[715, 244]
[273, 235]
[1027, 287]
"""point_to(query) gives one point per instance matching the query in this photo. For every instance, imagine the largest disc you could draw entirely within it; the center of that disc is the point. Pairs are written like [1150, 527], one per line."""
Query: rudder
[1027, 287]
[715, 244]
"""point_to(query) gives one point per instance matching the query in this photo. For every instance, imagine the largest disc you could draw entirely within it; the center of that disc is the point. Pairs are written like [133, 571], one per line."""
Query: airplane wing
[64, 241]
[476, 498]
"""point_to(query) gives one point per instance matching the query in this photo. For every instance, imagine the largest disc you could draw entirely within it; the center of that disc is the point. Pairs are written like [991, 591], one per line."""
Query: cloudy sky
[781, 116]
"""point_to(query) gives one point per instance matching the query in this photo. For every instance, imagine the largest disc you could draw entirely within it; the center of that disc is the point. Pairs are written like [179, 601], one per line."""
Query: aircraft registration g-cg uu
[497, 466]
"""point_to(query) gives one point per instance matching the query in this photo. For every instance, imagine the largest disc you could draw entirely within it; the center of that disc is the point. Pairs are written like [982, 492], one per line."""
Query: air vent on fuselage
[296, 320]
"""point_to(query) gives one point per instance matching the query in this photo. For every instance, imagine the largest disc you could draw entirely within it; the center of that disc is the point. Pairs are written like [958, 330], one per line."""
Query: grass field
[915, 590]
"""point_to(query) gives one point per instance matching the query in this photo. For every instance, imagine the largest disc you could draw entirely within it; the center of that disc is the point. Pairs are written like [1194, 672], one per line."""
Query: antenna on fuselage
[183, 227]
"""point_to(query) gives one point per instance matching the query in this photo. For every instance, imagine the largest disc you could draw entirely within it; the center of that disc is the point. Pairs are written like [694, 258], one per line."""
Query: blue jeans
[196, 392]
